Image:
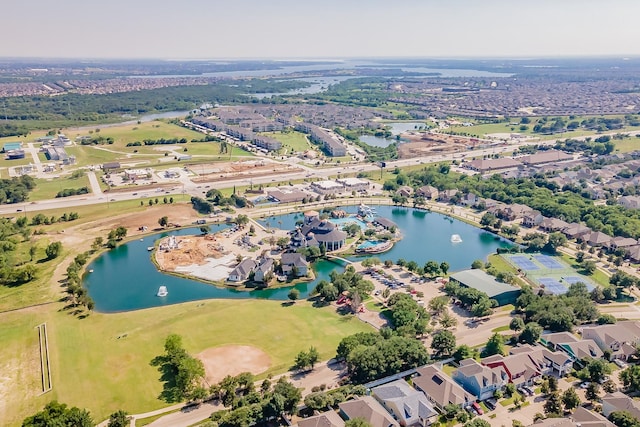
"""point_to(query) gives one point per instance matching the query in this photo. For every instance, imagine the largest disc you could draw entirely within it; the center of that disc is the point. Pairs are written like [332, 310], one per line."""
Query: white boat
[455, 238]
[90, 271]
[162, 291]
[150, 248]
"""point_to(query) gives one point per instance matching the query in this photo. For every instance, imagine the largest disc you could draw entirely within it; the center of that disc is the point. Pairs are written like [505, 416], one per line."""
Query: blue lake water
[125, 278]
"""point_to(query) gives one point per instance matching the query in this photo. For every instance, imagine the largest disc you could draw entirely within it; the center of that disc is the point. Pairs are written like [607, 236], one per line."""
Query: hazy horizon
[331, 29]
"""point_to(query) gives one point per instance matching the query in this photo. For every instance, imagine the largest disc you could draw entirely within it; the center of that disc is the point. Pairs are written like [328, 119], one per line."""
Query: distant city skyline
[289, 29]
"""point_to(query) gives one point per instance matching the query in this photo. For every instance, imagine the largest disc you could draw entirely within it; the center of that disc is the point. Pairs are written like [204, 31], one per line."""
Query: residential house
[242, 270]
[407, 405]
[405, 191]
[618, 401]
[479, 380]
[621, 243]
[428, 192]
[293, 259]
[325, 419]
[576, 231]
[532, 218]
[263, 269]
[469, 199]
[445, 196]
[552, 224]
[581, 417]
[620, 339]
[514, 211]
[633, 253]
[577, 349]
[368, 409]
[598, 238]
[526, 363]
[630, 202]
[440, 389]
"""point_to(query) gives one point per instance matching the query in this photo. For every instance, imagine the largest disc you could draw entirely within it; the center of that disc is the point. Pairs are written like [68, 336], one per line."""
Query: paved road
[95, 185]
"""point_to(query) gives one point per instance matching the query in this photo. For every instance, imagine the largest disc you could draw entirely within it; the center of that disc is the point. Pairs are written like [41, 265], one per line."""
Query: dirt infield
[232, 360]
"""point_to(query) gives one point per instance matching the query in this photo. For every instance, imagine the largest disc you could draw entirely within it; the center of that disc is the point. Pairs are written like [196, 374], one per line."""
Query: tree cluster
[408, 318]
[72, 192]
[350, 282]
[160, 141]
[307, 359]
[182, 372]
[59, 414]
[476, 301]
[558, 312]
[370, 356]
[253, 407]
[16, 190]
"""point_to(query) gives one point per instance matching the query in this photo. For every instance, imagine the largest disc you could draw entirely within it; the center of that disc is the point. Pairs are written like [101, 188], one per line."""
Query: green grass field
[116, 373]
[295, 141]
[47, 189]
[125, 134]
[38, 291]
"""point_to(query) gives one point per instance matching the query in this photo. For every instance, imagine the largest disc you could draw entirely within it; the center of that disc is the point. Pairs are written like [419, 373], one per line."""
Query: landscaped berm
[233, 360]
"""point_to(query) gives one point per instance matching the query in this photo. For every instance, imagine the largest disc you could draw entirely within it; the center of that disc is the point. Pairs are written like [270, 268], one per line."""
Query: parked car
[621, 363]
[477, 408]
[491, 403]
[584, 384]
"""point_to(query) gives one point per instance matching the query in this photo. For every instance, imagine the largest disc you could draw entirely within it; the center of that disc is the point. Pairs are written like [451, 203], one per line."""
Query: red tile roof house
[526, 363]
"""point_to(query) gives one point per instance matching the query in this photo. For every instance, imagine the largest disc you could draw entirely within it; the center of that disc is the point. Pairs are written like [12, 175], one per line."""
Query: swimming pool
[342, 222]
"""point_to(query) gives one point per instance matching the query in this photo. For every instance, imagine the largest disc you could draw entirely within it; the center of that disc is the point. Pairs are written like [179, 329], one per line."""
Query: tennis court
[575, 279]
[552, 285]
[524, 262]
[548, 262]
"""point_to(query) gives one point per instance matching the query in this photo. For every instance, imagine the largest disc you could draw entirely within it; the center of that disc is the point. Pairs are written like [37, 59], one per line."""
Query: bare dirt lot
[431, 144]
[192, 250]
[220, 171]
[233, 360]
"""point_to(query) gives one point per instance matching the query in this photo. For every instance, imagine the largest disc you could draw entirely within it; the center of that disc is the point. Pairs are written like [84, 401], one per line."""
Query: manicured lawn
[88, 155]
[37, 291]
[116, 372]
[295, 141]
[48, 188]
[598, 276]
[374, 306]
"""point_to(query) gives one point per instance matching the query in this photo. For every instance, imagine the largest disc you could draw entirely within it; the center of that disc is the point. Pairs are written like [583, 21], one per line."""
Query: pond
[125, 279]
[426, 236]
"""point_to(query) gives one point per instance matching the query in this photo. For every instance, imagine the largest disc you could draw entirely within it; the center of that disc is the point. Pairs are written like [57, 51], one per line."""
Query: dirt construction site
[253, 168]
[421, 144]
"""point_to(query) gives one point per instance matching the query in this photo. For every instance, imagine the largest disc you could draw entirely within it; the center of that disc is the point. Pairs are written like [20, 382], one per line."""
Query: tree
[118, 419]
[58, 414]
[463, 352]
[447, 320]
[313, 357]
[53, 250]
[593, 391]
[444, 343]
[630, 378]
[444, 267]
[495, 345]
[356, 422]
[531, 333]
[556, 240]
[477, 264]
[589, 267]
[438, 304]
[516, 324]
[477, 422]
[553, 405]
[624, 419]
[570, 399]
[597, 369]
[164, 221]
[293, 294]
[609, 386]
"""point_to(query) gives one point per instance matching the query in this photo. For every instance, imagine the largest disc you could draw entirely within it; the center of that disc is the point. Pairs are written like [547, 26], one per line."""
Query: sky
[286, 29]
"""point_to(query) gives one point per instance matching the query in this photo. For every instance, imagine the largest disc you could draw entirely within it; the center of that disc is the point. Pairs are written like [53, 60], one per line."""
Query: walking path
[95, 184]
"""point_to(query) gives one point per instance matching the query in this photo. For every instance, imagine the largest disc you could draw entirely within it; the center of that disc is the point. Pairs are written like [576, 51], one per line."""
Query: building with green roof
[483, 282]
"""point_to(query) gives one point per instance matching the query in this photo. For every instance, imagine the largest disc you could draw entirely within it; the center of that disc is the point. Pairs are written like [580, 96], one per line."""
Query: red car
[477, 408]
